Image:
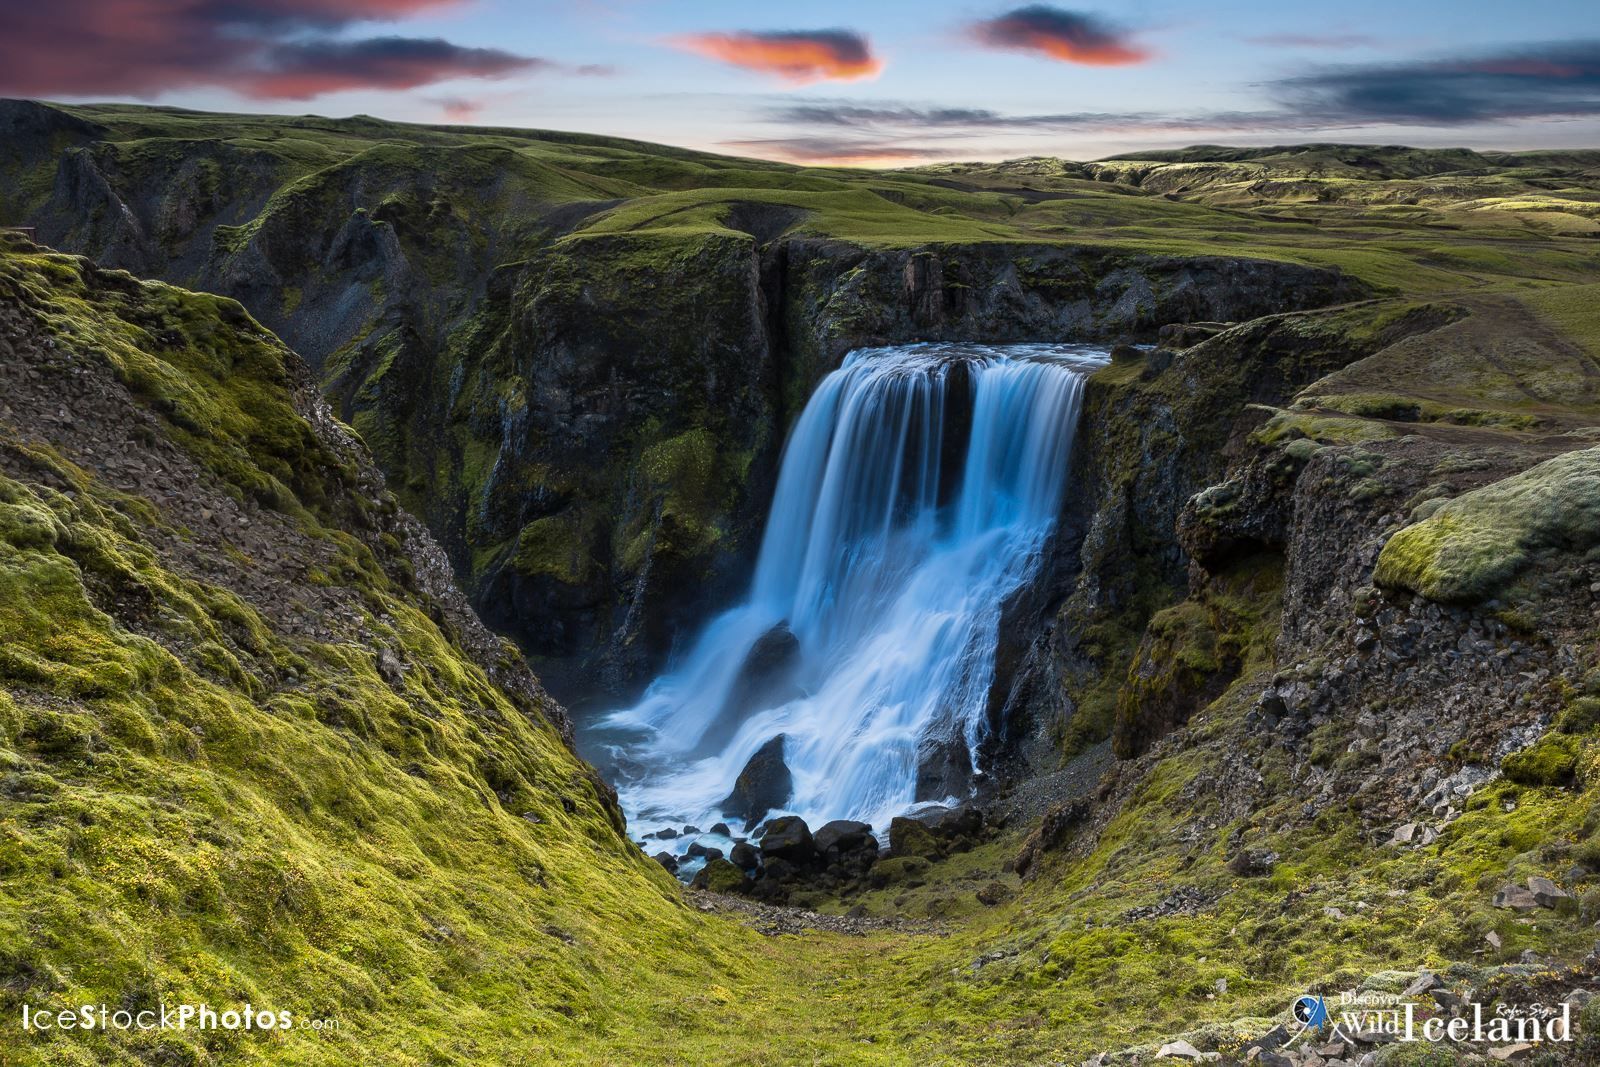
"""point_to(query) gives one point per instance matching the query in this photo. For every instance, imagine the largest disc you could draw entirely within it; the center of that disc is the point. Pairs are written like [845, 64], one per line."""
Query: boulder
[699, 850]
[789, 839]
[765, 680]
[745, 856]
[1253, 863]
[1515, 897]
[764, 784]
[944, 766]
[721, 876]
[844, 835]
[909, 837]
[994, 894]
[1180, 1050]
[667, 860]
[1545, 892]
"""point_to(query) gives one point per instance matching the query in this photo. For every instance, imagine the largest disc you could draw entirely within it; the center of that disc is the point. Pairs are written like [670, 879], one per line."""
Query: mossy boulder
[27, 526]
[1474, 547]
[909, 837]
[721, 876]
[1550, 761]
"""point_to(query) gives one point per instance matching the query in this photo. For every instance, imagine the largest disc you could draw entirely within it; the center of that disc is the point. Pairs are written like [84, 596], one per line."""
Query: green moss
[1579, 717]
[1400, 408]
[722, 876]
[1472, 547]
[1550, 761]
[1287, 426]
[900, 869]
[558, 546]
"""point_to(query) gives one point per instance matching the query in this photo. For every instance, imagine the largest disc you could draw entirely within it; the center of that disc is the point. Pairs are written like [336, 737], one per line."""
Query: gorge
[1216, 529]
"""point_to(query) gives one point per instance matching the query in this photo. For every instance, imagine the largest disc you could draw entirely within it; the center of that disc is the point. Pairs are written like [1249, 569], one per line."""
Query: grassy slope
[199, 805]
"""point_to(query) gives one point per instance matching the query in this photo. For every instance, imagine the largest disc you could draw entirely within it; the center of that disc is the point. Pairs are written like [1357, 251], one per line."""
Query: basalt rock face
[838, 297]
[1158, 430]
[1386, 616]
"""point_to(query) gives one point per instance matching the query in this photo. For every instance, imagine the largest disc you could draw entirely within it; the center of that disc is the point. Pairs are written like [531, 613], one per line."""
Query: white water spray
[916, 494]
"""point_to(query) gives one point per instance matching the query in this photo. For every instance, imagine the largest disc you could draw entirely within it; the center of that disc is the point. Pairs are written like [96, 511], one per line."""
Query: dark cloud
[302, 70]
[798, 56]
[1534, 81]
[261, 48]
[1316, 40]
[954, 121]
[1069, 36]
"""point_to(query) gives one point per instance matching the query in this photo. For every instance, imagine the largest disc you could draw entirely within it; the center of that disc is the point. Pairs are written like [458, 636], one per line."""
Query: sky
[863, 83]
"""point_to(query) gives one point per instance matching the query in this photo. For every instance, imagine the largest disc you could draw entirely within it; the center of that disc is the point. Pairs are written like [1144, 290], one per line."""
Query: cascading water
[916, 493]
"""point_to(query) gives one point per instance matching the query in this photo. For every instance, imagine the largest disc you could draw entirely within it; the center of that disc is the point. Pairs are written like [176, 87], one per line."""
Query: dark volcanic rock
[1253, 863]
[720, 876]
[745, 856]
[844, 835]
[944, 766]
[764, 784]
[788, 839]
[908, 837]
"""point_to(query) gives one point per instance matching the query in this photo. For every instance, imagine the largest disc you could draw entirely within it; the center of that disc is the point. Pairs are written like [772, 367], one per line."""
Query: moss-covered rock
[1474, 547]
[721, 876]
[1550, 761]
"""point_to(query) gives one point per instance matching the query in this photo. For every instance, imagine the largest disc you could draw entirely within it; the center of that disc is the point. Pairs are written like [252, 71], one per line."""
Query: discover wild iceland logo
[1393, 1017]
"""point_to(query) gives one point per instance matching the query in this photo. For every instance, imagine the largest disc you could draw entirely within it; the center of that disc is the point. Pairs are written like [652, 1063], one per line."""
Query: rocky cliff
[588, 415]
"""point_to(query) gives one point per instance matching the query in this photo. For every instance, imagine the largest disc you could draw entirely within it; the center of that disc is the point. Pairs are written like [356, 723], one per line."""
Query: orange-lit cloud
[1068, 36]
[797, 56]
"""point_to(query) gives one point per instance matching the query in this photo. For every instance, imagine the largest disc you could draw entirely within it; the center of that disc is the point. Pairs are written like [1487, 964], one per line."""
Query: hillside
[1307, 694]
[253, 745]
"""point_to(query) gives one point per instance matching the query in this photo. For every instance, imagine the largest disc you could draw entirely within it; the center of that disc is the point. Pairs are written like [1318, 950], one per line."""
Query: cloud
[1559, 80]
[1316, 40]
[958, 121]
[1069, 36]
[458, 108]
[798, 56]
[1531, 82]
[300, 71]
[265, 49]
[838, 151]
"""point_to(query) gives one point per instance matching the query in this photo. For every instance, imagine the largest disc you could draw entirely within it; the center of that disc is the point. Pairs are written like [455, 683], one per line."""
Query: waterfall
[916, 493]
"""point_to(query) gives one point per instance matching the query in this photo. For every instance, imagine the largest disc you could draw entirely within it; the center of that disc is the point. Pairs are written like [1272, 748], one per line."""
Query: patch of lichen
[1474, 548]
[1288, 425]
